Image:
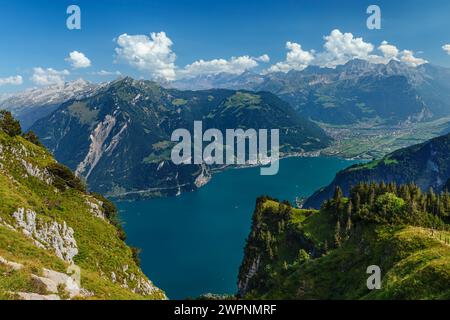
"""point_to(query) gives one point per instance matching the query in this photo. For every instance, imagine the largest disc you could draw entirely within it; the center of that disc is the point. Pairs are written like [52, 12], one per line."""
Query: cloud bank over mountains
[154, 55]
[13, 80]
[235, 65]
[339, 48]
[48, 76]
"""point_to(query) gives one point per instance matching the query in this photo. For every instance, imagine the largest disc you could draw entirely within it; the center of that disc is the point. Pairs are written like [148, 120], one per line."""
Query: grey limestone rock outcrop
[47, 234]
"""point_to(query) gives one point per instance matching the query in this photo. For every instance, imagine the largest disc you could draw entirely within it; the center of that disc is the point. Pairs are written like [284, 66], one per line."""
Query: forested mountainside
[310, 254]
[119, 138]
[351, 93]
[50, 227]
[426, 164]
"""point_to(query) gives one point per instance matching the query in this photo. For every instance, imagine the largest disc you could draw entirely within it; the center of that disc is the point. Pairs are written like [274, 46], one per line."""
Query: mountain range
[118, 138]
[358, 91]
[354, 92]
[127, 123]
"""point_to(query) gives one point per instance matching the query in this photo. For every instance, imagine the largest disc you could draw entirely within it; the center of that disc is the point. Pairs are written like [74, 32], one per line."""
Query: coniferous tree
[372, 196]
[9, 125]
[338, 194]
[349, 208]
[383, 187]
[357, 202]
[337, 235]
[348, 226]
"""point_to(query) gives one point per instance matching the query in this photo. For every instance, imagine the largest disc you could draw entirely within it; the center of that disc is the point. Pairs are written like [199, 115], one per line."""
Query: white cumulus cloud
[446, 48]
[13, 80]
[389, 51]
[341, 48]
[296, 59]
[235, 65]
[153, 55]
[78, 60]
[48, 76]
[407, 56]
[263, 58]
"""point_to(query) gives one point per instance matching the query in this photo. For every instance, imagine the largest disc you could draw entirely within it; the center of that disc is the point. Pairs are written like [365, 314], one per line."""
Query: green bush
[389, 206]
[136, 252]
[32, 137]
[64, 178]
[303, 256]
[111, 214]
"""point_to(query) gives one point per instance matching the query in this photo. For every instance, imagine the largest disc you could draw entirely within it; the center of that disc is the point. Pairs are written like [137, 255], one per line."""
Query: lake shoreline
[139, 195]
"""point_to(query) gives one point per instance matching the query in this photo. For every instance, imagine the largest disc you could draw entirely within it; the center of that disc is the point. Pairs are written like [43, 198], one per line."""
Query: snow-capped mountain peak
[35, 103]
[53, 94]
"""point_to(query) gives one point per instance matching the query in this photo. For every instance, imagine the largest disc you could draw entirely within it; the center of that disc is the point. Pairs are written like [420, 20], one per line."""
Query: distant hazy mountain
[119, 137]
[353, 92]
[427, 165]
[34, 104]
[247, 80]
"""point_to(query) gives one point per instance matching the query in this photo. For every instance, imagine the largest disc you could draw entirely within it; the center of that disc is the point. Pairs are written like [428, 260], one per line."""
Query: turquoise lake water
[193, 244]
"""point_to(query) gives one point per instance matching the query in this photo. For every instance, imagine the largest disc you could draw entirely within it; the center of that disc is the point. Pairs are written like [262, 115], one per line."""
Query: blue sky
[34, 35]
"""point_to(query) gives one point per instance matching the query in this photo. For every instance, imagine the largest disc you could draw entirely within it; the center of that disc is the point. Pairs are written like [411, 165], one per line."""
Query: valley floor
[373, 141]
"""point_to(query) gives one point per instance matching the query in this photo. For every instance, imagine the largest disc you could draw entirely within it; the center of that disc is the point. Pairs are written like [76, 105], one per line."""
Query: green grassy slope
[291, 254]
[108, 266]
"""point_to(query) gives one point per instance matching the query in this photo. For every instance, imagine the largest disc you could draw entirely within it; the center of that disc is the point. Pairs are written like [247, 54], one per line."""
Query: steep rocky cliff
[56, 240]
